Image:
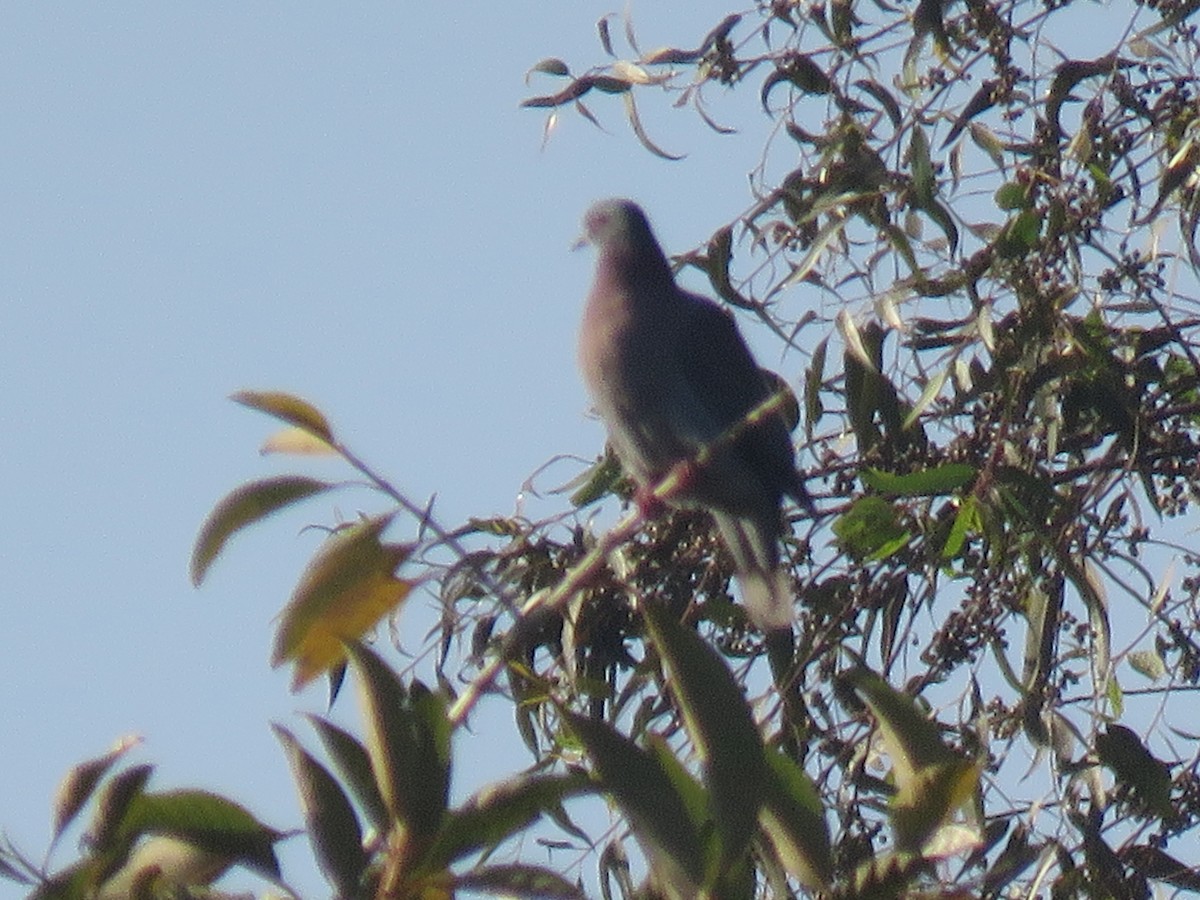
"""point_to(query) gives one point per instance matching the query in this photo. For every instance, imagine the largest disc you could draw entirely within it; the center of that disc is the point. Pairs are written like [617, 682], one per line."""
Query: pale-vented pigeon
[669, 374]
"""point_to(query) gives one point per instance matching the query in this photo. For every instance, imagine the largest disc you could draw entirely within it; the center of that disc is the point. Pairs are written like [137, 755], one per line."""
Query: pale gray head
[616, 222]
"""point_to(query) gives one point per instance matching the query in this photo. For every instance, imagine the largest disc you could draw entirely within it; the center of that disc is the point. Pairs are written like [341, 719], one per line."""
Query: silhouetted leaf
[208, 821]
[245, 506]
[497, 813]
[1134, 765]
[718, 719]
[332, 825]
[518, 880]
[354, 765]
[640, 787]
[78, 784]
[636, 124]
[288, 408]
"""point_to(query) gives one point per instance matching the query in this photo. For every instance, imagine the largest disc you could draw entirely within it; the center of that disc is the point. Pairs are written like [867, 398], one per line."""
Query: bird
[669, 374]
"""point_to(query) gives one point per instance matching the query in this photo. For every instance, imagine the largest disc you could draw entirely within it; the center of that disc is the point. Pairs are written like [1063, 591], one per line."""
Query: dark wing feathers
[729, 384]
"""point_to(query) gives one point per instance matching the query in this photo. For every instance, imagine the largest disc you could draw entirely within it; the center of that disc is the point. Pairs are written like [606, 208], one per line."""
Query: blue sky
[344, 203]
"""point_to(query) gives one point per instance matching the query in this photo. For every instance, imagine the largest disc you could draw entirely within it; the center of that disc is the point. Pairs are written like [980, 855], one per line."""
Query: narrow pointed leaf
[496, 814]
[245, 506]
[924, 185]
[635, 123]
[288, 408]
[518, 880]
[645, 795]
[80, 782]
[720, 724]
[332, 825]
[407, 755]
[112, 806]
[354, 765]
[912, 740]
[793, 822]
[943, 479]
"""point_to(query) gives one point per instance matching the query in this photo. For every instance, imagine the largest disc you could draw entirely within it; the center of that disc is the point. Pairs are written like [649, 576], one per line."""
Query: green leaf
[814, 377]
[924, 184]
[943, 479]
[966, 522]
[599, 481]
[1012, 195]
[793, 823]
[332, 825]
[870, 529]
[929, 393]
[497, 813]
[208, 821]
[1020, 234]
[245, 506]
[288, 408]
[76, 882]
[643, 791]
[721, 726]
[407, 745]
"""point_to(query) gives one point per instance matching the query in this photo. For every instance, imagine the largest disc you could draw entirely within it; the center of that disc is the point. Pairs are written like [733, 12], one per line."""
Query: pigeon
[669, 374]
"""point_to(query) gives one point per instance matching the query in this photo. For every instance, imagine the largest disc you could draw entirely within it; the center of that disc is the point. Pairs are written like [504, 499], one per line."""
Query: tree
[1000, 425]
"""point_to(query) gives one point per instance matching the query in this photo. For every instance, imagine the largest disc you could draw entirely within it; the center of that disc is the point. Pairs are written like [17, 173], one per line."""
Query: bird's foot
[652, 501]
[649, 504]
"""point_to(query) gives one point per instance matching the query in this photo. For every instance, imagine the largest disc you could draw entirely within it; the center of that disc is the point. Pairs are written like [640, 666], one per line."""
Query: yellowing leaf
[245, 506]
[290, 409]
[911, 739]
[298, 442]
[932, 779]
[923, 804]
[348, 587]
[635, 74]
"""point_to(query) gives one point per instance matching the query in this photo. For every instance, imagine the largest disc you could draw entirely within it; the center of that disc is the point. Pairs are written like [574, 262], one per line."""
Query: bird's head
[615, 222]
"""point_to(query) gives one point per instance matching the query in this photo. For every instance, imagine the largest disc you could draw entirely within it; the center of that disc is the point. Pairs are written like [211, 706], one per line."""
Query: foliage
[1002, 460]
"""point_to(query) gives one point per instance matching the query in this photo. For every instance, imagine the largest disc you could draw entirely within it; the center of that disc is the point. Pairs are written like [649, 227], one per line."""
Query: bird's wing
[727, 382]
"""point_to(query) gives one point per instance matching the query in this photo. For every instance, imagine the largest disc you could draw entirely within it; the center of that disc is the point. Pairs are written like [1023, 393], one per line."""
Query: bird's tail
[766, 589]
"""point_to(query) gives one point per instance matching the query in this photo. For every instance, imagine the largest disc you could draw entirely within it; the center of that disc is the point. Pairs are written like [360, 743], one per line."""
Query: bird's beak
[580, 242]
